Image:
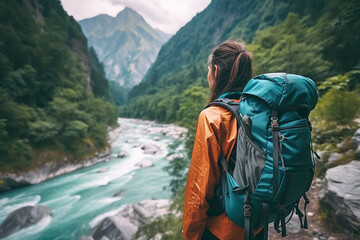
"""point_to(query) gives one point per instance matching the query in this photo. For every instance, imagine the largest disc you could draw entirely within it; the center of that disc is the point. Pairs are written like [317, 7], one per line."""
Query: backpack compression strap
[275, 135]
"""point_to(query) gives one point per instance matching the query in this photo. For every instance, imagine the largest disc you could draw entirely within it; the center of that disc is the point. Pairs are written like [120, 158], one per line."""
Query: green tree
[288, 48]
[75, 129]
[338, 107]
[42, 131]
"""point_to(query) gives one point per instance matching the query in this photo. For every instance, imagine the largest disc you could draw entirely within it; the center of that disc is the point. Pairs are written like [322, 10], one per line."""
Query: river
[80, 199]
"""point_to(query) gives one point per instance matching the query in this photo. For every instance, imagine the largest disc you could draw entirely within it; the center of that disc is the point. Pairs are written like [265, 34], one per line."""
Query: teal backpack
[272, 165]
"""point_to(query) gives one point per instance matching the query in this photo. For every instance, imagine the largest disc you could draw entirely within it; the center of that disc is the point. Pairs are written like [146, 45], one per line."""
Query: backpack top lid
[283, 91]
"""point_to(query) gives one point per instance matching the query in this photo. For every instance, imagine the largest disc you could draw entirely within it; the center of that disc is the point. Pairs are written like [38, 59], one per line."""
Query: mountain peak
[127, 11]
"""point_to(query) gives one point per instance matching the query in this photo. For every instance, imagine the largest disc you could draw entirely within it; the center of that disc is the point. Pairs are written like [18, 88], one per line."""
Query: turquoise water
[79, 200]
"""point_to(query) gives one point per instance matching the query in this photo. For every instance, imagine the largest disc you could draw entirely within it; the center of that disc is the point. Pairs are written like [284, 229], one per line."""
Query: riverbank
[49, 170]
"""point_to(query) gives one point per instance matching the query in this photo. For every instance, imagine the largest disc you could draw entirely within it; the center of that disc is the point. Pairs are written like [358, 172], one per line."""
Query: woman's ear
[216, 71]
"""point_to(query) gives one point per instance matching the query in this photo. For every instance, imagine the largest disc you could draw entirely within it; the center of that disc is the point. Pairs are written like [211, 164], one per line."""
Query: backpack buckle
[247, 210]
[274, 124]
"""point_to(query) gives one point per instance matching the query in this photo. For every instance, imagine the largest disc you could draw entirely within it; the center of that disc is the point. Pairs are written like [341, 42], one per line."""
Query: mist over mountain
[126, 44]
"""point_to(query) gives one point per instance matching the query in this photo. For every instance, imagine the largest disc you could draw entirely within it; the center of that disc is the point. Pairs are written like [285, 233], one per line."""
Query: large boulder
[115, 227]
[151, 149]
[22, 218]
[341, 195]
[126, 222]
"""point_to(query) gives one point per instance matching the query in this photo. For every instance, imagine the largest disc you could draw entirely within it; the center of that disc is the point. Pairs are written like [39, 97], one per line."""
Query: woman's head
[230, 68]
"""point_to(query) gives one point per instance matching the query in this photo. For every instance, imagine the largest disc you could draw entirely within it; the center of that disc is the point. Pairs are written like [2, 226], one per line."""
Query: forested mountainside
[54, 97]
[312, 38]
[126, 44]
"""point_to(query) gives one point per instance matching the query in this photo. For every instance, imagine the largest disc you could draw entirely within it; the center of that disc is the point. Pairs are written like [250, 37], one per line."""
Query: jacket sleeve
[203, 175]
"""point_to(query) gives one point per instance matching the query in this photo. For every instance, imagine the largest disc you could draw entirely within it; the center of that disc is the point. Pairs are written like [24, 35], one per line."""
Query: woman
[230, 68]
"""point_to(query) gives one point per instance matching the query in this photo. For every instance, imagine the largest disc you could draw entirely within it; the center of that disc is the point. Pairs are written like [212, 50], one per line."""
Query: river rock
[22, 218]
[356, 138]
[169, 130]
[102, 170]
[356, 141]
[342, 195]
[174, 156]
[119, 193]
[151, 149]
[115, 227]
[123, 154]
[333, 158]
[144, 163]
[84, 237]
[126, 222]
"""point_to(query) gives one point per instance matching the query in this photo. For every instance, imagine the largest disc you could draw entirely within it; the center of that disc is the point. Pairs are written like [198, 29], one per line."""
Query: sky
[166, 15]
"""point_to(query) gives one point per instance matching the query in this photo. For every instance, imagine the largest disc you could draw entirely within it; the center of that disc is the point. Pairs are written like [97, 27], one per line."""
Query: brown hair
[234, 65]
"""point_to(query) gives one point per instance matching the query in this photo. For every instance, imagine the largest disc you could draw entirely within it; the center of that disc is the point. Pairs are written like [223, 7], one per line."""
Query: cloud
[166, 15]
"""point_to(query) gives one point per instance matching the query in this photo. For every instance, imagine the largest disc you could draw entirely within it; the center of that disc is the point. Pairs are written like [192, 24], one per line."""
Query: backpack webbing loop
[266, 220]
[299, 213]
[307, 201]
[275, 135]
[282, 210]
[247, 215]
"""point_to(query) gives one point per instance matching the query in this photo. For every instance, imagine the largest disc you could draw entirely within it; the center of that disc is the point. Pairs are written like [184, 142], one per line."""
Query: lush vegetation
[54, 98]
[315, 39]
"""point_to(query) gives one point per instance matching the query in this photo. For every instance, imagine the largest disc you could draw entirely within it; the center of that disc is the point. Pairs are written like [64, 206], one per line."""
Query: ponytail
[234, 65]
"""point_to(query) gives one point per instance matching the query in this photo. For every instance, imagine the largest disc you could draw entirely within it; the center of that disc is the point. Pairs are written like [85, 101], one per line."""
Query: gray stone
[151, 149]
[333, 158]
[119, 193]
[144, 163]
[174, 156]
[123, 154]
[332, 238]
[102, 170]
[125, 223]
[85, 237]
[114, 227]
[294, 225]
[22, 218]
[356, 138]
[158, 236]
[342, 195]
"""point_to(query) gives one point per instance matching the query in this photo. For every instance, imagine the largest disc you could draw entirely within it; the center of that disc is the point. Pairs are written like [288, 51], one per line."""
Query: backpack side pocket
[250, 162]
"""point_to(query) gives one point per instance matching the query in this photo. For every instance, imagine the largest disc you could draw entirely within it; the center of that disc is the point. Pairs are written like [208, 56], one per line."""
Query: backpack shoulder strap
[230, 105]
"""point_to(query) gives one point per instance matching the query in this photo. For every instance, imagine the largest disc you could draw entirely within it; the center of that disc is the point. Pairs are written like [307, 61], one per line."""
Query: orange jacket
[216, 133]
